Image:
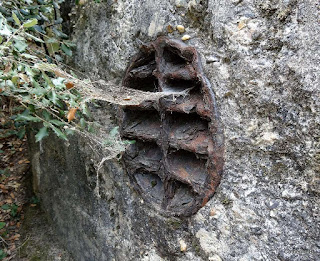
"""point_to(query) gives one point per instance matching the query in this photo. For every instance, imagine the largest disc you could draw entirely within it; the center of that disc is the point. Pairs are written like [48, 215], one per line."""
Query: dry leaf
[169, 29]
[24, 77]
[15, 237]
[69, 85]
[58, 73]
[7, 68]
[72, 114]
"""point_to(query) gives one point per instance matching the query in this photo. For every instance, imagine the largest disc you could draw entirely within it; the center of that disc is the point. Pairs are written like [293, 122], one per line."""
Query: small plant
[2, 254]
[12, 207]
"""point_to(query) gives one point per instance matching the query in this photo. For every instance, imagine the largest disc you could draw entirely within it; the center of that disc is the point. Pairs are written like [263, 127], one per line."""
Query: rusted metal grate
[177, 160]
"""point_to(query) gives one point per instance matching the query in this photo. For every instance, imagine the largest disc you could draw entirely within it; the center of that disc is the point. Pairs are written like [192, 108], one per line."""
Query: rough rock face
[263, 60]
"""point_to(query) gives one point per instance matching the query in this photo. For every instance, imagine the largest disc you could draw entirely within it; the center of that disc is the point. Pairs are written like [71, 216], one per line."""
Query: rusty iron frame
[177, 162]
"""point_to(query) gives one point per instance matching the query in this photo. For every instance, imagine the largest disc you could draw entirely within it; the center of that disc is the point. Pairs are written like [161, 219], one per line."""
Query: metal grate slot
[176, 163]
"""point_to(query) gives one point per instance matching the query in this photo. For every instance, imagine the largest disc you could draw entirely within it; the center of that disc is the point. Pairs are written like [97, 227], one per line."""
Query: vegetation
[32, 50]
[35, 86]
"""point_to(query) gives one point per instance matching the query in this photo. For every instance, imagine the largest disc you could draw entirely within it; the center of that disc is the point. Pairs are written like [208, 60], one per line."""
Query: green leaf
[21, 117]
[2, 225]
[30, 23]
[58, 123]
[5, 31]
[38, 91]
[59, 83]
[46, 115]
[47, 79]
[69, 131]
[1, 39]
[34, 200]
[2, 254]
[25, 11]
[53, 47]
[107, 142]
[15, 79]
[126, 142]
[14, 210]
[58, 132]
[34, 38]
[85, 110]
[52, 40]
[114, 131]
[43, 132]
[32, 108]
[30, 71]
[83, 123]
[66, 50]
[21, 133]
[20, 45]
[91, 128]
[29, 56]
[5, 207]
[39, 29]
[58, 58]
[54, 97]
[59, 34]
[15, 18]
[74, 74]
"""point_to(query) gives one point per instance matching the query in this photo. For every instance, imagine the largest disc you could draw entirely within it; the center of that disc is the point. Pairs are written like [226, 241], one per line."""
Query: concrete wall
[263, 60]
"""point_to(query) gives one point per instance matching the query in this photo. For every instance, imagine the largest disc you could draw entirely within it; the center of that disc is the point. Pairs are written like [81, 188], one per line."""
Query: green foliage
[31, 40]
[12, 207]
[2, 254]
[32, 49]
[43, 132]
[2, 225]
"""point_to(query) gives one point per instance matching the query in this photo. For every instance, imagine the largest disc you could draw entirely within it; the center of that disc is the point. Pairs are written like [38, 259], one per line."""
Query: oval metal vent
[177, 160]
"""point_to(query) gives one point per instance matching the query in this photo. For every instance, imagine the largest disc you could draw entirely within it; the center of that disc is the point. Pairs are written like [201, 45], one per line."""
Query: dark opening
[148, 84]
[178, 85]
[141, 75]
[171, 55]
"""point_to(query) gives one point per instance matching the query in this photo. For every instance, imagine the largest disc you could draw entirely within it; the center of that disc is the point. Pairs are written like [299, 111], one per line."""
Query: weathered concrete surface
[263, 59]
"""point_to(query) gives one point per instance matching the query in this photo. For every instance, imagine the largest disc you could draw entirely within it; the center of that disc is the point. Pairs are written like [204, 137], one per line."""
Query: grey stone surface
[263, 59]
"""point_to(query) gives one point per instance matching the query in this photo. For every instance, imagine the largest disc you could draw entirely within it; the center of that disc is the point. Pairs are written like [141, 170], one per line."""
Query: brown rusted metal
[177, 162]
